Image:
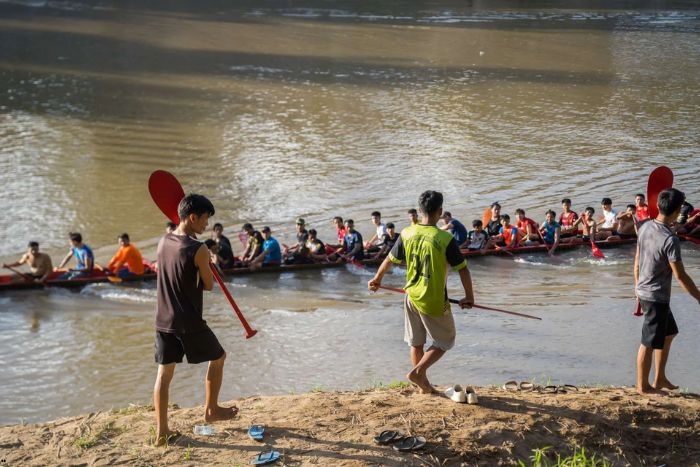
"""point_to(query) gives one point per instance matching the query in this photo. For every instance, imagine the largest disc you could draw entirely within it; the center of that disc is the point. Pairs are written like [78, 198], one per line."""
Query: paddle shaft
[19, 273]
[474, 305]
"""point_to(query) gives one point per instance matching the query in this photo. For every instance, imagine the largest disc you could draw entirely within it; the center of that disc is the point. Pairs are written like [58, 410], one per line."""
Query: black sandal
[410, 443]
[386, 437]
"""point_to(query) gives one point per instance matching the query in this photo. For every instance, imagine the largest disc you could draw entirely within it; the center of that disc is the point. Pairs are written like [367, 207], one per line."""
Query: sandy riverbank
[337, 428]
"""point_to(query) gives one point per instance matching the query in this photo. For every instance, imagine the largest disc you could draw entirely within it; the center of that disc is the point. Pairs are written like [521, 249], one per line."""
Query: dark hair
[266, 229]
[412, 211]
[670, 201]
[172, 225]
[631, 206]
[376, 213]
[566, 200]
[606, 201]
[124, 236]
[477, 223]
[247, 226]
[554, 214]
[209, 243]
[641, 195]
[194, 204]
[589, 209]
[349, 221]
[312, 232]
[447, 214]
[33, 244]
[430, 201]
[495, 204]
[505, 217]
[520, 211]
[338, 218]
[390, 225]
[75, 237]
[218, 225]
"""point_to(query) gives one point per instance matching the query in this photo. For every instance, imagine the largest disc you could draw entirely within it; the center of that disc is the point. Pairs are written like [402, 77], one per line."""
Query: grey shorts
[419, 326]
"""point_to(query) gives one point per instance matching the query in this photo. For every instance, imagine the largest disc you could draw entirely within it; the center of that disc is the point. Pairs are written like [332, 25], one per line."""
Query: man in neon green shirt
[427, 252]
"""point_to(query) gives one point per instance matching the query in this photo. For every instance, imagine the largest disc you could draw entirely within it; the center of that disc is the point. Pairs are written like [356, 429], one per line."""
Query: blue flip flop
[266, 457]
[257, 432]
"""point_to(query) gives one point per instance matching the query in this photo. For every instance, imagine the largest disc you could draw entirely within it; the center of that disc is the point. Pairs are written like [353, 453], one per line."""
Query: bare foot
[665, 384]
[650, 391]
[166, 437]
[220, 413]
[422, 382]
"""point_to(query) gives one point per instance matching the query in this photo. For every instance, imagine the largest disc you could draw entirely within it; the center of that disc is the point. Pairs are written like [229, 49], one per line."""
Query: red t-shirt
[568, 219]
[642, 212]
[522, 225]
[341, 234]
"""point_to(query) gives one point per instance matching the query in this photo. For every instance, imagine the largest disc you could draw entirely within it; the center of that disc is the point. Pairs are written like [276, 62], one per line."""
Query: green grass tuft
[546, 457]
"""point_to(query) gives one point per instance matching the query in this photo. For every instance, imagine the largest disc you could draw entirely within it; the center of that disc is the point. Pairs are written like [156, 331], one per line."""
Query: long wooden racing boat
[541, 248]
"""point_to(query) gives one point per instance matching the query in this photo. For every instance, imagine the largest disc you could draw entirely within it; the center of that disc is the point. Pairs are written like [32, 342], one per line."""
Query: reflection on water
[285, 112]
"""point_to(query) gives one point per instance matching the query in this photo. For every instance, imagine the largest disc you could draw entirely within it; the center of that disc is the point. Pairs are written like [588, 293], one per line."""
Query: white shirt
[381, 231]
[610, 218]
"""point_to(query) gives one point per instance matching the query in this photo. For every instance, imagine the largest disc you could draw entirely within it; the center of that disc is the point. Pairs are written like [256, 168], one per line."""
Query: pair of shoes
[266, 457]
[398, 442]
[256, 432]
[562, 389]
[514, 386]
[462, 395]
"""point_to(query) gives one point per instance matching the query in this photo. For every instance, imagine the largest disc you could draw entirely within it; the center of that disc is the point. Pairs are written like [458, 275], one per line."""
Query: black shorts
[200, 346]
[658, 324]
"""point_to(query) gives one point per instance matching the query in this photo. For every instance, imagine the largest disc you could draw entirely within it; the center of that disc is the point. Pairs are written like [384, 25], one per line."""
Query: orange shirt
[131, 256]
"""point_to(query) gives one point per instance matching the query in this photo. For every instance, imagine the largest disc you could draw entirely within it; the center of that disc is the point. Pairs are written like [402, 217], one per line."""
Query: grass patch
[319, 388]
[106, 432]
[188, 452]
[392, 385]
[546, 457]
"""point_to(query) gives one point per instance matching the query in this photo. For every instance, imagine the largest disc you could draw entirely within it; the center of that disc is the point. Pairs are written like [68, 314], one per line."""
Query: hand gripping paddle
[167, 193]
[660, 179]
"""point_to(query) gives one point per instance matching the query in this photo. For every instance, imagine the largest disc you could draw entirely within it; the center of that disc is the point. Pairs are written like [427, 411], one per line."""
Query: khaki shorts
[419, 326]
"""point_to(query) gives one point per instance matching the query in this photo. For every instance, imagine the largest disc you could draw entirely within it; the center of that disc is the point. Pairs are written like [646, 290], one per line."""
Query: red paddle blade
[486, 218]
[660, 179]
[166, 192]
[638, 309]
[596, 251]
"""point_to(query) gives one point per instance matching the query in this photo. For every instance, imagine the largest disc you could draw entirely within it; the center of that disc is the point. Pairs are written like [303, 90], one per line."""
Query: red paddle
[474, 305]
[638, 309]
[167, 193]
[486, 218]
[660, 179]
[596, 251]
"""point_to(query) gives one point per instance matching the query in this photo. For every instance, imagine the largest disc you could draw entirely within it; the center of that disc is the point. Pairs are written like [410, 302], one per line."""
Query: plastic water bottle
[205, 430]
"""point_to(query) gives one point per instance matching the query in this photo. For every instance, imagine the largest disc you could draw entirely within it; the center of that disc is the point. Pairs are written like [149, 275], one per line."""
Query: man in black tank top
[183, 275]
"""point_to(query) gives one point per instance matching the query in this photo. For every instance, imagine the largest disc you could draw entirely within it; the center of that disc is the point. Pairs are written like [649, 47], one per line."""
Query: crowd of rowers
[261, 249]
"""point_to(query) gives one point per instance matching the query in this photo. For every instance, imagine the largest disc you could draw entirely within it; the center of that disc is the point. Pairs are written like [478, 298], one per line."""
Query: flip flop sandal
[526, 386]
[386, 437]
[550, 389]
[410, 443]
[256, 432]
[511, 386]
[570, 387]
[266, 457]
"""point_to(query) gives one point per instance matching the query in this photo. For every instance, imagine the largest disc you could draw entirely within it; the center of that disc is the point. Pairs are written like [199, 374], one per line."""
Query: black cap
[247, 226]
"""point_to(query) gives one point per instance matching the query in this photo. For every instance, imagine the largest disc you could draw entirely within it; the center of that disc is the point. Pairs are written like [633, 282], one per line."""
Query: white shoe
[457, 394]
[471, 396]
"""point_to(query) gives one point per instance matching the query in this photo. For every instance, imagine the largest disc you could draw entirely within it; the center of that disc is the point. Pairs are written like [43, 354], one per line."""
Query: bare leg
[160, 402]
[660, 359]
[215, 375]
[418, 374]
[416, 354]
[643, 368]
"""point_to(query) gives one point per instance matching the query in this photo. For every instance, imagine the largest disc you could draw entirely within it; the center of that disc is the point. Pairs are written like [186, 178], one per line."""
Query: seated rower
[373, 244]
[352, 248]
[507, 236]
[412, 216]
[527, 228]
[39, 263]
[388, 241]
[253, 246]
[316, 248]
[627, 222]
[494, 225]
[84, 258]
[607, 225]
[271, 254]
[341, 231]
[127, 261]
[589, 227]
[302, 235]
[551, 232]
[170, 227]
[221, 254]
[217, 234]
[686, 211]
[691, 226]
[477, 238]
[567, 219]
[641, 208]
[455, 227]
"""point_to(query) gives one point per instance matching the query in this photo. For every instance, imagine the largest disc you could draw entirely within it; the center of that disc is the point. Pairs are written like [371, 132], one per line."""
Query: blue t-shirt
[274, 254]
[353, 241]
[459, 232]
[82, 255]
[549, 231]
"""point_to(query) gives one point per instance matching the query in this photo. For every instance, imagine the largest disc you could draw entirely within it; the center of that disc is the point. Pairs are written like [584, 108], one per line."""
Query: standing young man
[183, 274]
[658, 258]
[427, 251]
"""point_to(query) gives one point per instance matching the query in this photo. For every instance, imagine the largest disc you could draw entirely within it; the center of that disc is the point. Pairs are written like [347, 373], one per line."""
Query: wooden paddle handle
[249, 332]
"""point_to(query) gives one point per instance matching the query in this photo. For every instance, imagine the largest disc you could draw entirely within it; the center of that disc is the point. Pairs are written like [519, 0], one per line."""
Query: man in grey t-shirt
[658, 258]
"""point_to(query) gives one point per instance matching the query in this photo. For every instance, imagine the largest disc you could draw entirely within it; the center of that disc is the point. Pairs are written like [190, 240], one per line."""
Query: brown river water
[338, 109]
